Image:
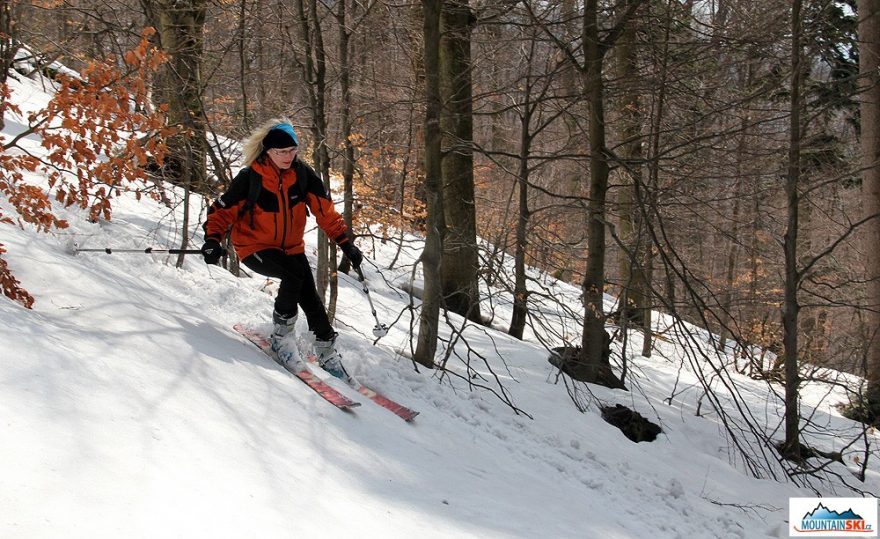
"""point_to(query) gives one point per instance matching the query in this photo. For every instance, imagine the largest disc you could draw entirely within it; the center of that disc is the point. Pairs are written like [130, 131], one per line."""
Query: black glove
[212, 251]
[355, 256]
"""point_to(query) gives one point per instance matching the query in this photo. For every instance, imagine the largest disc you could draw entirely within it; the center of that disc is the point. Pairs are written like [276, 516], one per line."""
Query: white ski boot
[330, 360]
[282, 339]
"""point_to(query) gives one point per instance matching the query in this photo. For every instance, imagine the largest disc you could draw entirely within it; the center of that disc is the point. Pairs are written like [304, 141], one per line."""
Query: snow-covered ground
[130, 408]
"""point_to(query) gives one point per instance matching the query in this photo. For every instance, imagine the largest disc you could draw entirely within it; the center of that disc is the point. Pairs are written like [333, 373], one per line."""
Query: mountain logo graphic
[823, 519]
[832, 517]
[822, 513]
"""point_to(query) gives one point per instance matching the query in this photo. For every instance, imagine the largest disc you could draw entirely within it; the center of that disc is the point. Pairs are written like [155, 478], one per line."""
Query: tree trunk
[635, 290]
[7, 52]
[520, 291]
[460, 251]
[261, 58]
[791, 446]
[593, 365]
[243, 63]
[315, 74]
[647, 198]
[726, 299]
[432, 254]
[180, 28]
[869, 65]
[345, 125]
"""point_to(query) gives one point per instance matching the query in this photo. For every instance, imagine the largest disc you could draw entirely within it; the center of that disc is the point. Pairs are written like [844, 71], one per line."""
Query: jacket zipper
[283, 215]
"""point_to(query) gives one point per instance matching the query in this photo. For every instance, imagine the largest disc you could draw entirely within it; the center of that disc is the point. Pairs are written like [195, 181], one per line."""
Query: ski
[320, 387]
[397, 409]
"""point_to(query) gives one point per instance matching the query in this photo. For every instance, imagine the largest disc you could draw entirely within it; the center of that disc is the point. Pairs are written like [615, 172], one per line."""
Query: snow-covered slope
[129, 408]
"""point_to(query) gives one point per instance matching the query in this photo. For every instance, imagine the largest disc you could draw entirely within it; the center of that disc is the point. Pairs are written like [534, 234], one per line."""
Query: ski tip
[347, 406]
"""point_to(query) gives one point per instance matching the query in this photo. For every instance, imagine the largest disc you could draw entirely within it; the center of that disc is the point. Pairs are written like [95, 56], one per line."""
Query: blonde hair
[252, 147]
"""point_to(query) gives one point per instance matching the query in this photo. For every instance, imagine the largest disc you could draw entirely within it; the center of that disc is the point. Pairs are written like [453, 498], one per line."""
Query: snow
[130, 408]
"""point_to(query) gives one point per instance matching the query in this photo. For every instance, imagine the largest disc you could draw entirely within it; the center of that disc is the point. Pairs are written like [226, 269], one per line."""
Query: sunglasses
[283, 153]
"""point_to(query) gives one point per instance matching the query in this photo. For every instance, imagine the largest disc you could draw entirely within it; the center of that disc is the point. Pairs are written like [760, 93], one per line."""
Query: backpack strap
[302, 183]
[255, 185]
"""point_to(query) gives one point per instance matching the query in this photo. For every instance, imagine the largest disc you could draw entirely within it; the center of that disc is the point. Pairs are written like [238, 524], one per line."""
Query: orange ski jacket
[277, 219]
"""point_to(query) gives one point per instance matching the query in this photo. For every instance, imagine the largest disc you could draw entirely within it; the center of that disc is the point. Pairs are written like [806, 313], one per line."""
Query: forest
[716, 160]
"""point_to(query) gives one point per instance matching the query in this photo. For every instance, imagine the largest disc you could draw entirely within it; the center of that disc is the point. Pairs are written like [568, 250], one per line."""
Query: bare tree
[436, 227]
[791, 306]
[180, 26]
[314, 70]
[8, 47]
[869, 67]
[595, 42]
[460, 250]
[634, 258]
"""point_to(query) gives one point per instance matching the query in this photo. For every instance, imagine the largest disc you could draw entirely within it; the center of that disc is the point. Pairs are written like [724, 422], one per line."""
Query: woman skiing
[266, 207]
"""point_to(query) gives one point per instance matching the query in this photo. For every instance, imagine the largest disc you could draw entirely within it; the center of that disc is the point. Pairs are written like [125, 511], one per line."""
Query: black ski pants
[297, 288]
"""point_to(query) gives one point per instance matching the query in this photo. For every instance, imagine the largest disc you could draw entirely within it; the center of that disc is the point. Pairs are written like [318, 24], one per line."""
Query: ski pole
[148, 250]
[74, 248]
[380, 330]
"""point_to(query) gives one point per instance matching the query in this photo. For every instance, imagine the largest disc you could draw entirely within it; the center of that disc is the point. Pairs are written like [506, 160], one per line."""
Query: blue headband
[287, 128]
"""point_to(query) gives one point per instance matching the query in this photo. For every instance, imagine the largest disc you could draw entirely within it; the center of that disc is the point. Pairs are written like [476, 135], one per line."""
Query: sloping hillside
[131, 409]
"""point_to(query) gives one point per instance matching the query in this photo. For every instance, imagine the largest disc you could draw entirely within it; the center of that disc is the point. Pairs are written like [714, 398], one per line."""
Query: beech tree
[8, 47]
[313, 65]
[869, 85]
[99, 114]
[460, 265]
[595, 41]
[180, 25]
[634, 258]
[435, 223]
[791, 305]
